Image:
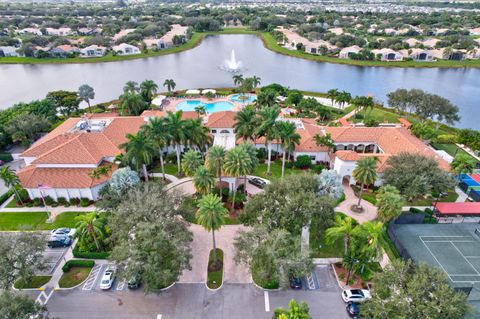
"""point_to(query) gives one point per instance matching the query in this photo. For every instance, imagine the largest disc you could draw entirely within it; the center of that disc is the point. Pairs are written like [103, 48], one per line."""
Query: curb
[223, 275]
[166, 288]
[336, 277]
[76, 286]
[265, 289]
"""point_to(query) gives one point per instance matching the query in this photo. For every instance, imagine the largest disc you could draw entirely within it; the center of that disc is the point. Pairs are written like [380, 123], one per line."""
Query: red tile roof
[458, 208]
[223, 119]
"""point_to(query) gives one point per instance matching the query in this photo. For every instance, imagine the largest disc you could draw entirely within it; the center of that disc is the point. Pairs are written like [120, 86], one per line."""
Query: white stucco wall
[67, 193]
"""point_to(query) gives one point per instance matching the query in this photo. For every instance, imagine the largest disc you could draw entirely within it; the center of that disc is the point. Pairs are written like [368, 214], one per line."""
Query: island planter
[215, 273]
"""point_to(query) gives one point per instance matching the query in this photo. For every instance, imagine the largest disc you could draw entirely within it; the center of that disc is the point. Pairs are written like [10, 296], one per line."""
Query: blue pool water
[243, 98]
[190, 105]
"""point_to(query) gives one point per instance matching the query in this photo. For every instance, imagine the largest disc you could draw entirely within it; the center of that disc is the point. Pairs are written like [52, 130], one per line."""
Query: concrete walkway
[369, 213]
[169, 177]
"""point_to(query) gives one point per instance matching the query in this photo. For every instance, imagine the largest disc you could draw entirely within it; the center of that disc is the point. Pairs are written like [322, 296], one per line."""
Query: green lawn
[380, 115]
[451, 149]
[215, 278]
[451, 197]
[170, 169]
[275, 170]
[34, 282]
[74, 276]
[10, 221]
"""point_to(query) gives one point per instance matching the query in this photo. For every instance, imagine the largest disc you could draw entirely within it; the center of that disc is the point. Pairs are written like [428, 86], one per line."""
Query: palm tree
[325, 140]
[237, 163]
[289, 138]
[203, 180]
[246, 122]
[256, 81]
[366, 173]
[252, 153]
[148, 89]
[131, 87]
[91, 225]
[343, 97]
[463, 164]
[190, 162]
[139, 151]
[215, 160]
[332, 95]
[156, 130]
[197, 134]
[237, 79]
[200, 110]
[373, 231]
[133, 103]
[176, 132]
[170, 84]
[11, 180]
[267, 128]
[211, 214]
[343, 227]
[266, 98]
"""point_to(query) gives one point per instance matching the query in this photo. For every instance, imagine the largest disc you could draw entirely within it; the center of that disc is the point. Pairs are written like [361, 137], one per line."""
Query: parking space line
[159, 316]
[121, 285]
[92, 278]
[267, 301]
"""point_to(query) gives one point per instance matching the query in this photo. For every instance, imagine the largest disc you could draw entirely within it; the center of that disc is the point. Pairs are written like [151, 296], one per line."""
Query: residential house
[475, 31]
[430, 43]
[412, 42]
[8, 51]
[93, 51]
[418, 54]
[89, 31]
[473, 54]
[346, 53]
[34, 31]
[176, 31]
[122, 33]
[388, 55]
[63, 51]
[125, 49]
[60, 31]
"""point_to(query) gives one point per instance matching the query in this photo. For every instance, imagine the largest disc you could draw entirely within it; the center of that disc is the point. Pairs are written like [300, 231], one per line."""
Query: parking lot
[194, 300]
[52, 257]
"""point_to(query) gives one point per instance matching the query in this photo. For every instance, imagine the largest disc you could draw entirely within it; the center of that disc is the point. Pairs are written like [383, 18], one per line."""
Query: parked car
[257, 182]
[295, 283]
[59, 241]
[356, 295]
[134, 281]
[70, 232]
[108, 279]
[443, 194]
[353, 310]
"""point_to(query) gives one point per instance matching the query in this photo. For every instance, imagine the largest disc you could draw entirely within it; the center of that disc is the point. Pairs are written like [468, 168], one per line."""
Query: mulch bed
[339, 270]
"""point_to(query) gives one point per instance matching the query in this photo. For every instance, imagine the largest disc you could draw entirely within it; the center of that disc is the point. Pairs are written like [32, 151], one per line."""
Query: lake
[201, 68]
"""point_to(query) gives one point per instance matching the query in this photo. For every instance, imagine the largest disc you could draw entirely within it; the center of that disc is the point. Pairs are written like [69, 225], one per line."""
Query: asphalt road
[189, 301]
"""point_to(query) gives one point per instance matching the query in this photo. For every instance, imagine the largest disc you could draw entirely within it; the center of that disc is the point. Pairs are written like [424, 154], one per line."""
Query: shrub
[29, 204]
[84, 202]
[317, 168]
[371, 122]
[77, 263]
[23, 194]
[37, 202]
[54, 204]
[48, 200]
[6, 196]
[261, 154]
[74, 201]
[171, 158]
[303, 161]
[6, 157]
[446, 139]
[62, 201]
[414, 210]
[289, 164]
[90, 255]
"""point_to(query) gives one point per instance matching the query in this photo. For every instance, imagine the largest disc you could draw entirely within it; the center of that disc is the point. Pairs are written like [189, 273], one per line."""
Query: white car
[70, 232]
[356, 295]
[107, 279]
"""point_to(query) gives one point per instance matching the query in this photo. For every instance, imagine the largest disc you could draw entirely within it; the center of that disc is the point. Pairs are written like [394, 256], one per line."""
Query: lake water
[201, 67]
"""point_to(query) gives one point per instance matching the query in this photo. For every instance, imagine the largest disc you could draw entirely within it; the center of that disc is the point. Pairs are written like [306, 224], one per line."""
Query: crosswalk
[44, 296]
[92, 278]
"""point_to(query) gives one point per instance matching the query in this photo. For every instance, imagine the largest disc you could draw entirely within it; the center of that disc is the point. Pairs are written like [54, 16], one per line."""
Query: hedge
[77, 263]
[90, 255]
[6, 157]
[6, 196]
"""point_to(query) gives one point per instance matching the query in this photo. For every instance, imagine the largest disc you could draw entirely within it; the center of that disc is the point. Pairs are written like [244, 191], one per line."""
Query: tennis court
[455, 248]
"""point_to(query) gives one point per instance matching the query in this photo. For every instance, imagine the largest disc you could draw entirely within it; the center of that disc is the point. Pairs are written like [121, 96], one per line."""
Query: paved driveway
[369, 213]
[201, 246]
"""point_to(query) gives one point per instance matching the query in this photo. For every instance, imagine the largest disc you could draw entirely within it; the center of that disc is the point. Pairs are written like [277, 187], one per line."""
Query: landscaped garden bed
[75, 272]
[355, 281]
[34, 282]
[215, 271]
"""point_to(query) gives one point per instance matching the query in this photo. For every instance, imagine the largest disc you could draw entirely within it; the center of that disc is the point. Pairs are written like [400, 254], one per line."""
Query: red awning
[476, 177]
[458, 208]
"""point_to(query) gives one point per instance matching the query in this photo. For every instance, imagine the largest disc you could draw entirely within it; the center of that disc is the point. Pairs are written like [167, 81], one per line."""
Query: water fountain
[232, 65]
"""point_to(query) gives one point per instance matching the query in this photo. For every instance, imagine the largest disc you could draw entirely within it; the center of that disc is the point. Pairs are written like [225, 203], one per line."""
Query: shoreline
[268, 42]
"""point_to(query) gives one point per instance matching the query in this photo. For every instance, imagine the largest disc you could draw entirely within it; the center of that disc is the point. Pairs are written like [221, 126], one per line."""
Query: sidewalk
[369, 213]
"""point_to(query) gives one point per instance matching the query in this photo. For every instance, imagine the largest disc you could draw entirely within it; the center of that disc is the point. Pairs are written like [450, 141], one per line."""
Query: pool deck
[172, 106]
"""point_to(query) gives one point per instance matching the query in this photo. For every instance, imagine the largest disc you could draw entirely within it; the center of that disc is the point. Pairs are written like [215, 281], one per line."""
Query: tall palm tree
[176, 132]
[139, 151]
[148, 89]
[198, 135]
[237, 79]
[200, 110]
[256, 81]
[289, 138]
[266, 98]
[214, 161]
[237, 163]
[11, 180]
[366, 173]
[190, 162]
[203, 180]
[252, 153]
[332, 95]
[133, 103]
[211, 214]
[91, 225]
[267, 128]
[170, 84]
[156, 130]
[343, 227]
[246, 122]
[131, 87]
[343, 97]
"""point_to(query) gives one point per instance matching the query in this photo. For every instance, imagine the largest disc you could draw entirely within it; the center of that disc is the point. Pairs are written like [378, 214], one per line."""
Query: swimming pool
[243, 98]
[190, 105]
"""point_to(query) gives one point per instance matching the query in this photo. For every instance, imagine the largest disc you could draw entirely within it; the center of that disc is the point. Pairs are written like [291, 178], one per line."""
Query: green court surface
[455, 248]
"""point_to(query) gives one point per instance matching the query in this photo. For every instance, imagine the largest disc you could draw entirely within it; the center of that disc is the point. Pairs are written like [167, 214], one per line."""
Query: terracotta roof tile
[223, 119]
